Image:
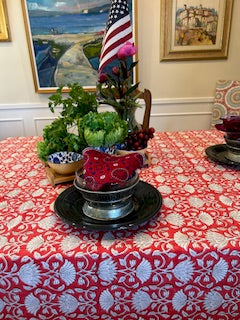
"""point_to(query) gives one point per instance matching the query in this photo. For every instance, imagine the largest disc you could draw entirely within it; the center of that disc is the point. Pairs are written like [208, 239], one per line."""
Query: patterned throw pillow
[101, 169]
[227, 100]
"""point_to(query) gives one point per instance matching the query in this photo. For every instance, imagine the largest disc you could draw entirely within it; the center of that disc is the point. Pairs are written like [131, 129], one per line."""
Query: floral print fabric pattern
[182, 264]
[227, 100]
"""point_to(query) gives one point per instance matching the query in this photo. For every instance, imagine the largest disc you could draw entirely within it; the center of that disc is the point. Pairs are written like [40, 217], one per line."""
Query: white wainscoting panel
[40, 123]
[180, 114]
[166, 115]
[11, 127]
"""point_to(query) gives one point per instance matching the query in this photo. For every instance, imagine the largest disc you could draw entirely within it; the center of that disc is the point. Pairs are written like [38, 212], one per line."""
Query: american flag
[118, 32]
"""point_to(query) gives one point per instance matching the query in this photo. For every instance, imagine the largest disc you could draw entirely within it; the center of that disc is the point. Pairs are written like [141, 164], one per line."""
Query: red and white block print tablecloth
[183, 264]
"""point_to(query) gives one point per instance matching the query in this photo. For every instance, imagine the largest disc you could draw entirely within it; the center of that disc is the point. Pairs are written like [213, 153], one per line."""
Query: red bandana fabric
[101, 169]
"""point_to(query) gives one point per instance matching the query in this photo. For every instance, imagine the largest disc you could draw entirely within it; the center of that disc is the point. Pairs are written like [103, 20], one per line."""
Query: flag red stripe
[115, 34]
[119, 31]
[116, 42]
[113, 40]
[116, 25]
[110, 35]
[112, 47]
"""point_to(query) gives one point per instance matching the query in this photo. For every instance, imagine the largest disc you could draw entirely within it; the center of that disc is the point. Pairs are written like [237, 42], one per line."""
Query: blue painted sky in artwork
[69, 5]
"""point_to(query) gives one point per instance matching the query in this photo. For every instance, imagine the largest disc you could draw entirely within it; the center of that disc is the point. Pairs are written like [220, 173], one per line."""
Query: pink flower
[102, 78]
[127, 50]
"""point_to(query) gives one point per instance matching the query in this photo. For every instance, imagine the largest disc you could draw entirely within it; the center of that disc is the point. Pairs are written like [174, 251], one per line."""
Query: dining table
[180, 262]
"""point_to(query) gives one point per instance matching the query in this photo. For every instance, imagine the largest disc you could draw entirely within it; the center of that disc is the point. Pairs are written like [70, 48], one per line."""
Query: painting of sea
[64, 39]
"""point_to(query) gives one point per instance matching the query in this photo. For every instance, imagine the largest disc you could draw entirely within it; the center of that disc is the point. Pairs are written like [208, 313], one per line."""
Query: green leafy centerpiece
[62, 134]
[78, 126]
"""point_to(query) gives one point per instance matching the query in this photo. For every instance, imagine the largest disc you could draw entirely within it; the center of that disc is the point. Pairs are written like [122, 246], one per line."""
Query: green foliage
[59, 136]
[75, 105]
[94, 138]
[118, 90]
[103, 129]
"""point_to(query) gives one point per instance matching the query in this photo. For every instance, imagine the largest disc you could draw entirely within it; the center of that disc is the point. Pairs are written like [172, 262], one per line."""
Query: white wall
[182, 91]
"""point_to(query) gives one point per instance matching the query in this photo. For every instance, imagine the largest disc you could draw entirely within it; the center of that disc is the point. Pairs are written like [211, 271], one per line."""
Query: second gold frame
[196, 30]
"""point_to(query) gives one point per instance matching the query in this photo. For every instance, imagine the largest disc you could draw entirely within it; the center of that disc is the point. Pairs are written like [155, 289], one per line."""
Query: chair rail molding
[11, 106]
[167, 114]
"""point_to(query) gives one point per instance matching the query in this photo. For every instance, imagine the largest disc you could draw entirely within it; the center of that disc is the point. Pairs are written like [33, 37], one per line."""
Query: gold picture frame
[48, 34]
[4, 25]
[195, 31]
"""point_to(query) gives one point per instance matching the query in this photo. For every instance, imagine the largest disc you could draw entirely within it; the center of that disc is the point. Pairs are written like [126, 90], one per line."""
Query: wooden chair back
[147, 97]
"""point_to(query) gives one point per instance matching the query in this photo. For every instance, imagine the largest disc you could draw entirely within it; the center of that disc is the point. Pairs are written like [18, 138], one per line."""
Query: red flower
[102, 78]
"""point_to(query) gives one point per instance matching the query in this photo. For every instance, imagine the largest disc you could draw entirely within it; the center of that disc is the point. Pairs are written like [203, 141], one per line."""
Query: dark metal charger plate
[147, 202]
[218, 152]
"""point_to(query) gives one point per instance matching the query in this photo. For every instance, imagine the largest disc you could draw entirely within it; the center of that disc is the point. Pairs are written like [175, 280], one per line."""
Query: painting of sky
[196, 3]
[65, 6]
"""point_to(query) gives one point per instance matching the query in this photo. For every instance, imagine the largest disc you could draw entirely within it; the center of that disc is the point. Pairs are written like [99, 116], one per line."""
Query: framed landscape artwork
[4, 26]
[64, 40]
[195, 29]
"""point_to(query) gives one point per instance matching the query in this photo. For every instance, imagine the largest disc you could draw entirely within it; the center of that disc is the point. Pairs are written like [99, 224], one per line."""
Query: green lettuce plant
[104, 129]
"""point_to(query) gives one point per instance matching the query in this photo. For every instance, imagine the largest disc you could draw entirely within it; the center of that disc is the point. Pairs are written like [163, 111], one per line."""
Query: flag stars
[119, 9]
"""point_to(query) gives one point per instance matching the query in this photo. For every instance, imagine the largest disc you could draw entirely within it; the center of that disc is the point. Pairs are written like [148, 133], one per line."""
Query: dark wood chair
[147, 97]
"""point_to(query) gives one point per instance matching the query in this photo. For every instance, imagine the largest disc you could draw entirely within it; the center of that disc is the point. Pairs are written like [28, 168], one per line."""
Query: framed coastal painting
[64, 40]
[4, 26]
[195, 29]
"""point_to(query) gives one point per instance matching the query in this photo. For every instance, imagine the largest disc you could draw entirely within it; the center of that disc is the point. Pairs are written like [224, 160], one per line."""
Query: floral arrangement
[117, 89]
[231, 125]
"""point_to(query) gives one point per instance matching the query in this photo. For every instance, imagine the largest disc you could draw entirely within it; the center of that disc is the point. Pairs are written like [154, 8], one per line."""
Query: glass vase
[128, 115]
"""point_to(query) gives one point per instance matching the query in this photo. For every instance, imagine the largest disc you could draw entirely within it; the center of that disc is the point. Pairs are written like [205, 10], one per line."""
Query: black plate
[147, 202]
[218, 152]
